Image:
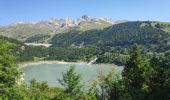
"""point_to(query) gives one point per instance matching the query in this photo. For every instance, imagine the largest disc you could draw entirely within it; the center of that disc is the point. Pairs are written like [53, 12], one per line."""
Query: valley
[85, 50]
[111, 44]
[90, 58]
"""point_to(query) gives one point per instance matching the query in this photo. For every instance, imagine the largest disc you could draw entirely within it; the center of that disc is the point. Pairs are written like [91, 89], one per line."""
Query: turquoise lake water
[52, 72]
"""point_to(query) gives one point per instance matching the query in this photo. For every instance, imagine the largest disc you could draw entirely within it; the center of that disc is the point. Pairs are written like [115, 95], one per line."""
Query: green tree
[9, 73]
[134, 75]
[71, 82]
[109, 86]
[158, 25]
[159, 78]
[38, 90]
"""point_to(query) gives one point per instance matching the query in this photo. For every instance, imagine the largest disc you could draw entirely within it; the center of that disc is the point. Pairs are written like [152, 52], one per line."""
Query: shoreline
[26, 64]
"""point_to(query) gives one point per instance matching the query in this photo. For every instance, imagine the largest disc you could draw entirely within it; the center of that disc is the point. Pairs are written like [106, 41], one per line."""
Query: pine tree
[133, 75]
[159, 79]
[71, 82]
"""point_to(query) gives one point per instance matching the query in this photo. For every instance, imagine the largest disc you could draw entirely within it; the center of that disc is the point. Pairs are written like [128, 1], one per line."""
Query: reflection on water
[52, 72]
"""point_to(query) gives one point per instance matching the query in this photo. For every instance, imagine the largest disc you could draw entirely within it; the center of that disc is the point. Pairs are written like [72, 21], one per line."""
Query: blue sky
[37, 10]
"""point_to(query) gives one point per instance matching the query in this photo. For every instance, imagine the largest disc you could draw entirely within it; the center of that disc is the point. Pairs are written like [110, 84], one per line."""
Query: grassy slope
[42, 32]
[165, 26]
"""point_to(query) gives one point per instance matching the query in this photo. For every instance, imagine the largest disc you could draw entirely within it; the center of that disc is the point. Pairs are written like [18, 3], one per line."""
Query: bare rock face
[86, 18]
[66, 22]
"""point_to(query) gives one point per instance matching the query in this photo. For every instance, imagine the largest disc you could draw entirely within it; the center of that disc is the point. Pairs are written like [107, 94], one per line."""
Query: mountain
[43, 31]
[86, 38]
[120, 34]
[113, 44]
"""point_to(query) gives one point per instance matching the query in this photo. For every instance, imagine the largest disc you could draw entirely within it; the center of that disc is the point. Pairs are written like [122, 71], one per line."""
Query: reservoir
[52, 72]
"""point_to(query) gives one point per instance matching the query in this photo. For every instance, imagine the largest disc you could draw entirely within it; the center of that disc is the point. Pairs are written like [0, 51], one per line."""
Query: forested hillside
[109, 45]
[114, 43]
[25, 53]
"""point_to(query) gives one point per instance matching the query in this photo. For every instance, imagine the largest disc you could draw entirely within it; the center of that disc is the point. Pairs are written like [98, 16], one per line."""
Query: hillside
[165, 26]
[115, 42]
[120, 34]
[110, 45]
[43, 31]
[23, 52]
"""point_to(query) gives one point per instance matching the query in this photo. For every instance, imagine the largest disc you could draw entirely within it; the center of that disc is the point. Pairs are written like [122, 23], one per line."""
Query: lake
[52, 72]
